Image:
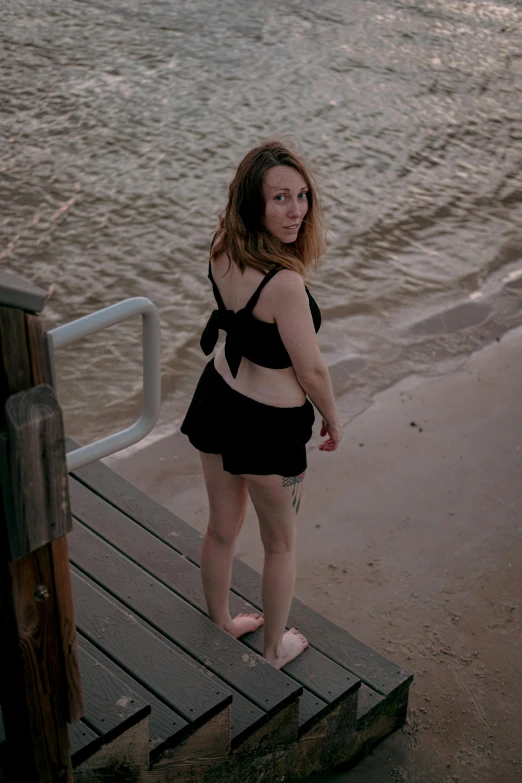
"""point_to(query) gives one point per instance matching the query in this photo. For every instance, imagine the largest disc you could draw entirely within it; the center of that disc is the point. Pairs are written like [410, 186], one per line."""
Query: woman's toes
[293, 644]
[244, 623]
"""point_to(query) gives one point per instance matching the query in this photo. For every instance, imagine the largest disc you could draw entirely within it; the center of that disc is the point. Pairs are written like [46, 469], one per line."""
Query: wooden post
[37, 471]
[40, 688]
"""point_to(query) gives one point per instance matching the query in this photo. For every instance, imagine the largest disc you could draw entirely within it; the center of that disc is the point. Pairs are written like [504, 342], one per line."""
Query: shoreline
[409, 537]
[356, 379]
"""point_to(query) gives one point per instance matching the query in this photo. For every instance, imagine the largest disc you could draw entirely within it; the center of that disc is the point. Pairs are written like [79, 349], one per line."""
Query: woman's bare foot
[292, 645]
[244, 623]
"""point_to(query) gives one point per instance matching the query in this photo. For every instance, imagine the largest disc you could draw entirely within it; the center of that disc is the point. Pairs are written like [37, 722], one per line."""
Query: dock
[205, 707]
[112, 669]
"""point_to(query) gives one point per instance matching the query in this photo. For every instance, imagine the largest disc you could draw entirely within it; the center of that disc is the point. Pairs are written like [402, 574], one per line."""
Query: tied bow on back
[234, 325]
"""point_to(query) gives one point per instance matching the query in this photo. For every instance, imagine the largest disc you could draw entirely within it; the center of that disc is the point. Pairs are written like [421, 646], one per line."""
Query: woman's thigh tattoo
[296, 482]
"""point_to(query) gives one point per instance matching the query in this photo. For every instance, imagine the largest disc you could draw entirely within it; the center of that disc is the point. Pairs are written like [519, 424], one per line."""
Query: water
[122, 126]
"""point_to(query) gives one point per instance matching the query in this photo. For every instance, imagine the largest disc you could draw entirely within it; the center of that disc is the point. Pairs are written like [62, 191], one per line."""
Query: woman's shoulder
[219, 260]
[287, 290]
[221, 266]
[287, 281]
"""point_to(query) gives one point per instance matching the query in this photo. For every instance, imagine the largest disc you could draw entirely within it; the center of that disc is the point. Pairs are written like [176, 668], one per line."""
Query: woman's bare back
[271, 387]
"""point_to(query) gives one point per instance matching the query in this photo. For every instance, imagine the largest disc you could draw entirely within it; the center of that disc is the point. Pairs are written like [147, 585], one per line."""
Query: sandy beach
[410, 537]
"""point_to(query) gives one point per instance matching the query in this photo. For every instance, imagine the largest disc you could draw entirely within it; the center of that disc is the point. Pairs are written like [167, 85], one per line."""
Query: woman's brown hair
[242, 233]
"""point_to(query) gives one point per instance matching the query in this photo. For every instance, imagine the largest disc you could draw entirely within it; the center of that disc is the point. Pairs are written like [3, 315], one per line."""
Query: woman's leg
[274, 499]
[227, 497]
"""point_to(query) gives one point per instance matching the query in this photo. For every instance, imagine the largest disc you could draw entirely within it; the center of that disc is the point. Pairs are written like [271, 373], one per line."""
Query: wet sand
[410, 537]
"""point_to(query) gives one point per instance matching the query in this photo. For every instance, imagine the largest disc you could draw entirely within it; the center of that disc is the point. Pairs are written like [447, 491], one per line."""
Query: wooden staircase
[171, 697]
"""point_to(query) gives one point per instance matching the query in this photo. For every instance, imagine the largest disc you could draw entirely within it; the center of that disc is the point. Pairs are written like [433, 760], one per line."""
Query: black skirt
[250, 436]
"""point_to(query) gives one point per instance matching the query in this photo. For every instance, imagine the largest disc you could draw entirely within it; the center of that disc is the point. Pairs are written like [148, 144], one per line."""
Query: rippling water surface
[122, 125]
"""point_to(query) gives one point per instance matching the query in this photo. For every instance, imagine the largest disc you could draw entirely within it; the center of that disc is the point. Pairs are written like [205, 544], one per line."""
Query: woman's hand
[335, 433]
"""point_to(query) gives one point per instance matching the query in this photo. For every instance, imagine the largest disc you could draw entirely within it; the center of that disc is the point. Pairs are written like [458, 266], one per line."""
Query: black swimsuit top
[258, 341]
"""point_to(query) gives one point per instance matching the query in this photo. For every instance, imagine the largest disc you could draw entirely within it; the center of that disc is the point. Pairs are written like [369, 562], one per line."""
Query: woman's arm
[296, 327]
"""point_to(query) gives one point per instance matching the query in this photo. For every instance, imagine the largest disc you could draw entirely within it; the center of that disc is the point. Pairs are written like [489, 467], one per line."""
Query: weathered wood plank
[321, 750]
[34, 695]
[205, 744]
[134, 503]
[184, 578]
[153, 663]
[83, 742]
[123, 760]
[19, 293]
[313, 670]
[368, 701]
[331, 743]
[310, 709]
[371, 667]
[37, 469]
[38, 353]
[67, 628]
[377, 717]
[41, 374]
[159, 606]
[167, 728]
[14, 707]
[245, 716]
[281, 731]
[5, 488]
[43, 681]
[111, 707]
[332, 641]
[15, 370]
[319, 674]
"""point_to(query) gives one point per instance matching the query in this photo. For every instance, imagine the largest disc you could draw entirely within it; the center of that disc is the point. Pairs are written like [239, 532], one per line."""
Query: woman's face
[286, 202]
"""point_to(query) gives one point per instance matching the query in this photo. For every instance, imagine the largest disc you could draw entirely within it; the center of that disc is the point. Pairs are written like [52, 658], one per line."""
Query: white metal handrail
[90, 324]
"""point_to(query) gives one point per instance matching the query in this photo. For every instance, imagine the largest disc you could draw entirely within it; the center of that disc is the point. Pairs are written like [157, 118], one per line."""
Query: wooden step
[166, 727]
[330, 671]
[151, 662]
[111, 706]
[250, 725]
[110, 720]
[114, 731]
[126, 757]
[325, 683]
[83, 742]
[178, 621]
[105, 753]
[381, 676]
[372, 668]
[260, 691]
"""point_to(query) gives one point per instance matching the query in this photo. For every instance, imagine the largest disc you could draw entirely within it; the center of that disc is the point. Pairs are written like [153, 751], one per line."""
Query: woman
[251, 415]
